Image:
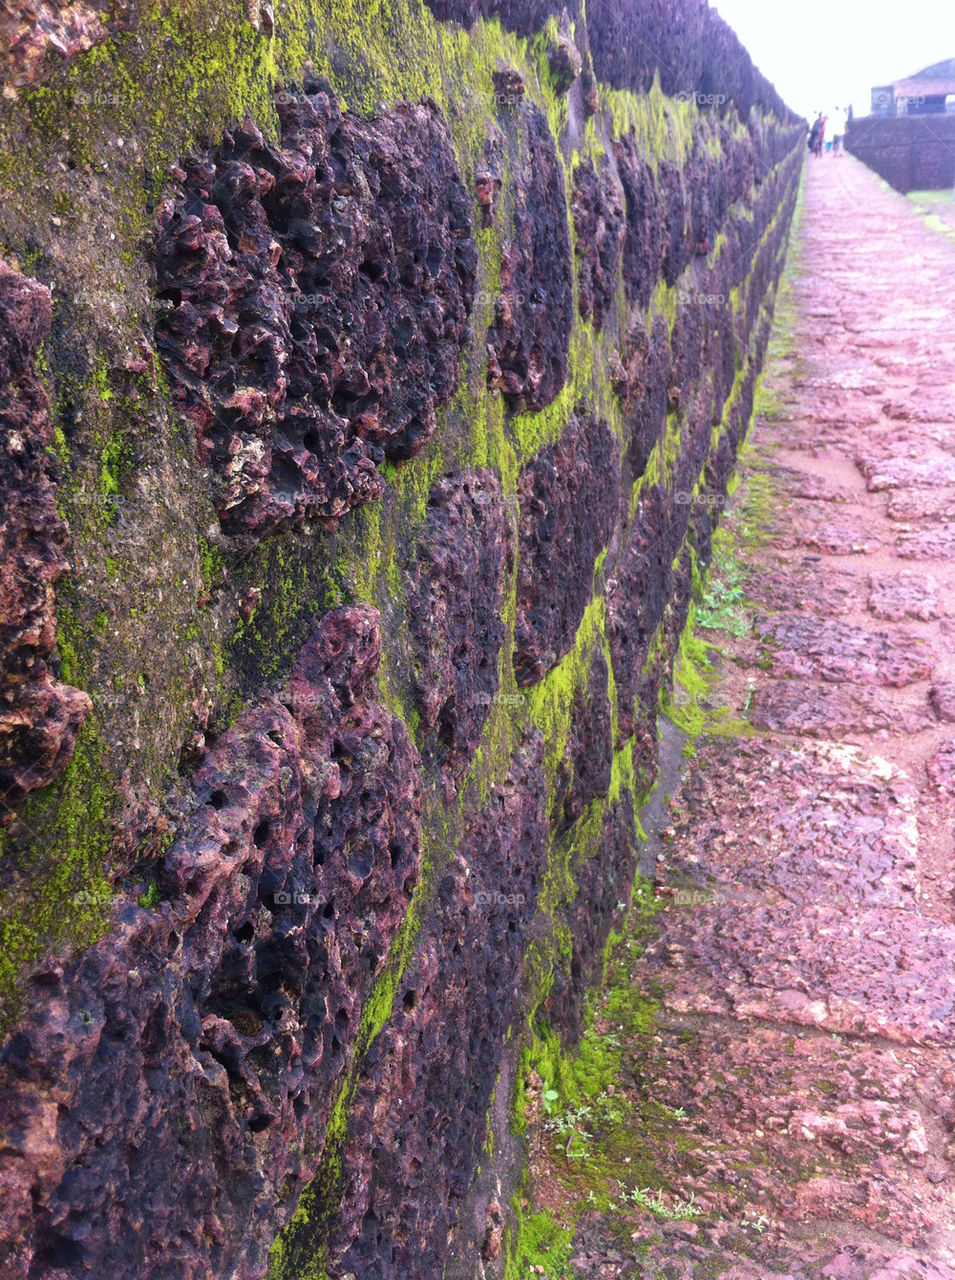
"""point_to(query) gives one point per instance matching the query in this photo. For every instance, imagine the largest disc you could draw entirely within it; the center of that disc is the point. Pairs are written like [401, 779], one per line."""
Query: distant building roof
[937, 81]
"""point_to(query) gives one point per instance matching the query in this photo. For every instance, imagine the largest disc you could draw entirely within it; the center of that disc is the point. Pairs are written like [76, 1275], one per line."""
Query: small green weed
[644, 1198]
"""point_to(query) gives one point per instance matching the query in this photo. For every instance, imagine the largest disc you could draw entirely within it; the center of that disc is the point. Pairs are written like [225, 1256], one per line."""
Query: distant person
[838, 123]
[822, 135]
[815, 134]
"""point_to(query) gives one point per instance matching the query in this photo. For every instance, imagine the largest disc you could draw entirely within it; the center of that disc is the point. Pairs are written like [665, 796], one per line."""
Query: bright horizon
[819, 53]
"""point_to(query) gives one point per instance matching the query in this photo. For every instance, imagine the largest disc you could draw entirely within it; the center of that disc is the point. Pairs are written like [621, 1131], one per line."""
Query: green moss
[151, 897]
[542, 1247]
[62, 898]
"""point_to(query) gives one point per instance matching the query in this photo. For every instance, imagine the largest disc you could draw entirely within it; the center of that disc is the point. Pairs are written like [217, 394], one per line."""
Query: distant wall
[912, 153]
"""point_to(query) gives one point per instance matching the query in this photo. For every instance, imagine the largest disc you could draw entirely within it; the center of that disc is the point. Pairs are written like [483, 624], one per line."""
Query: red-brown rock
[167, 1093]
[528, 341]
[39, 716]
[316, 298]
[455, 611]
[569, 498]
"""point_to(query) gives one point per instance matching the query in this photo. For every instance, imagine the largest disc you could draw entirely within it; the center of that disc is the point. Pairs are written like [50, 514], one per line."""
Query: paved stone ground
[806, 963]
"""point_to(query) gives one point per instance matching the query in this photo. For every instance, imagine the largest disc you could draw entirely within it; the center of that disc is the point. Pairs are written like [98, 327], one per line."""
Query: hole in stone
[245, 932]
[310, 441]
[395, 849]
[360, 866]
[341, 1021]
[261, 834]
[409, 1001]
[58, 1251]
[373, 270]
[218, 800]
[258, 1123]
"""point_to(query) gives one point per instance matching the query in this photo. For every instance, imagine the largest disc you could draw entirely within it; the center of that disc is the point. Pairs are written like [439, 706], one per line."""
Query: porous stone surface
[837, 651]
[942, 698]
[588, 757]
[913, 153]
[598, 211]
[455, 611]
[904, 595]
[643, 391]
[188, 1061]
[419, 1118]
[40, 33]
[821, 711]
[569, 499]
[316, 303]
[603, 882]
[528, 340]
[644, 243]
[637, 595]
[40, 716]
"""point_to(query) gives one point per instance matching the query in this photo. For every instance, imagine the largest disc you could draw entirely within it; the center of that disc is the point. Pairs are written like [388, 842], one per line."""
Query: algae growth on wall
[372, 379]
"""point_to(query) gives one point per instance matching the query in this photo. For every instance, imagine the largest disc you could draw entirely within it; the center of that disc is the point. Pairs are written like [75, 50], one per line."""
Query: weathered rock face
[586, 767]
[643, 391]
[569, 499]
[317, 297]
[603, 886]
[419, 1119]
[599, 220]
[42, 31]
[637, 595]
[39, 716]
[527, 343]
[442, 484]
[190, 1058]
[644, 243]
[455, 612]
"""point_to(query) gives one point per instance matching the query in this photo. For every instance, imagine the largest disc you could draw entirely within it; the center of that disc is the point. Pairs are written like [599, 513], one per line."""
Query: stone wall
[912, 153]
[375, 378]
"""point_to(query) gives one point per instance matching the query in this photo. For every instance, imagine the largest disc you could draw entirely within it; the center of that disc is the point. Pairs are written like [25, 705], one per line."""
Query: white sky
[820, 53]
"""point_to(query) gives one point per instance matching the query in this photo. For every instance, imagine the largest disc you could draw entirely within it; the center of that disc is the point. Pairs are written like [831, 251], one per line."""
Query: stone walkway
[805, 1043]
